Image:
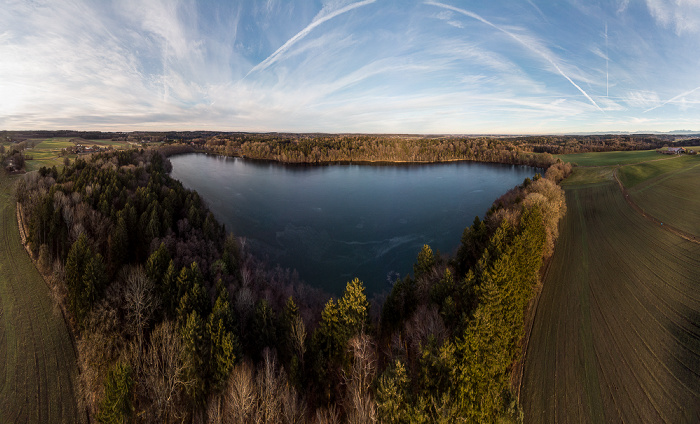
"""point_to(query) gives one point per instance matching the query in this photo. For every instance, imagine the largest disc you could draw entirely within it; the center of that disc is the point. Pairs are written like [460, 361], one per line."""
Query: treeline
[533, 150]
[373, 148]
[176, 322]
[452, 332]
[558, 145]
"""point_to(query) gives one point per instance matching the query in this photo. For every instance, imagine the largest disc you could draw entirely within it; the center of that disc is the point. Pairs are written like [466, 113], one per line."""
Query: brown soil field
[38, 366]
[616, 333]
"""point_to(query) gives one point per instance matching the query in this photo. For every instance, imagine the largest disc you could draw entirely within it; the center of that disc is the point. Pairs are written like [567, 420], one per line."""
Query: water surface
[333, 223]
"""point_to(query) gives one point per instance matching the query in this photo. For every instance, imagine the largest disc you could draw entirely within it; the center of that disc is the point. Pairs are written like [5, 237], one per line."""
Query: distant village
[84, 149]
[676, 151]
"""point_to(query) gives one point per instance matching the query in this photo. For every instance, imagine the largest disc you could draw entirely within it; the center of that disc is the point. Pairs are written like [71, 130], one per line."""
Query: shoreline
[367, 162]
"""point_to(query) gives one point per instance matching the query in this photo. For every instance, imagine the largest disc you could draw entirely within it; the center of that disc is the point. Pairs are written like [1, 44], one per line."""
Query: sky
[361, 66]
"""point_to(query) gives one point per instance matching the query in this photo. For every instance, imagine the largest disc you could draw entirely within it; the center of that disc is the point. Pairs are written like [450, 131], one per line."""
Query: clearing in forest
[616, 334]
[38, 367]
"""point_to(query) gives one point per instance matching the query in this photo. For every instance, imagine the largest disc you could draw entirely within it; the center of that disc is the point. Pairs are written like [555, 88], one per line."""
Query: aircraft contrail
[519, 40]
[673, 99]
[303, 33]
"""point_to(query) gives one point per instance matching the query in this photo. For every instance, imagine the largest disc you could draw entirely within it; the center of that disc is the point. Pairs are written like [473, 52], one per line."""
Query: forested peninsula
[175, 320]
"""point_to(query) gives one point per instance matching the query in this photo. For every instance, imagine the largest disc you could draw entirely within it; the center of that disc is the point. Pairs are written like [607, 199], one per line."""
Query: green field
[37, 362]
[631, 176]
[610, 158]
[592, 175]
[616, 335]
[673, 197]
[48, 151]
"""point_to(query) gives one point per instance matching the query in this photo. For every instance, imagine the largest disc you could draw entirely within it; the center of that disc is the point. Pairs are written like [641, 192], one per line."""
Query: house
[676, 150]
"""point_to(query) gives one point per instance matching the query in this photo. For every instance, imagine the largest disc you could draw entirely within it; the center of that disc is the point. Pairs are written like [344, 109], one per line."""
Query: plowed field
[37, 361]
[673, 197]
[616, 334]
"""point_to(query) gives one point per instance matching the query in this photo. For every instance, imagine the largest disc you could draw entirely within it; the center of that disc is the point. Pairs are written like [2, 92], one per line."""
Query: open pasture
[38, 367]
[673, 198]
[610, 158]
[632, 175]
[616, 335]
[589, 175]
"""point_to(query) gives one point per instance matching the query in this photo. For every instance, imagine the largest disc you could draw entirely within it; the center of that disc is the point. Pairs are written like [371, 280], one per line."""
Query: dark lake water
[336, 222]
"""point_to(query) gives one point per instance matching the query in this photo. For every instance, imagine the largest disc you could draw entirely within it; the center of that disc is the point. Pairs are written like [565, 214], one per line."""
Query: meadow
[38, 365]
[616, 334]
[672, 197]
[609, 158]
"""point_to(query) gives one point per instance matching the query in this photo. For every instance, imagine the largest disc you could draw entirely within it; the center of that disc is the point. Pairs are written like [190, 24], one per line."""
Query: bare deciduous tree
[140, 302]
[299, 337]
[268, 384]
[328, 415]
[360, 408]
[164, 373]
[264, 396]
[241, 398]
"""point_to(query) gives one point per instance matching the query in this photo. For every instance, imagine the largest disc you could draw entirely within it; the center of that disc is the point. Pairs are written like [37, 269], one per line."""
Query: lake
[333, 223]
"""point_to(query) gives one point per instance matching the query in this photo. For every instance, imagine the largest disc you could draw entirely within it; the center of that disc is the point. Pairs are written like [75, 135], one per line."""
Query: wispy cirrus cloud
[529, 44]
[682, 15]
[345, 65]
[322, 17]
[681, 97]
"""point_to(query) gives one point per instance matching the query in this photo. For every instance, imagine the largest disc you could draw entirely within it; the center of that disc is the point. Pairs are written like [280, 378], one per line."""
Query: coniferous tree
[116, 406]
[353, 308]
[424, 263]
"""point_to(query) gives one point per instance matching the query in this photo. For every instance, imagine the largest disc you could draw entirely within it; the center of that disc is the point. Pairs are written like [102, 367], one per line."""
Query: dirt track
[638, 209]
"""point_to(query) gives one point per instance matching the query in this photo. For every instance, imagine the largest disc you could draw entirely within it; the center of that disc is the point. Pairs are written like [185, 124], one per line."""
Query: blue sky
[448, 66]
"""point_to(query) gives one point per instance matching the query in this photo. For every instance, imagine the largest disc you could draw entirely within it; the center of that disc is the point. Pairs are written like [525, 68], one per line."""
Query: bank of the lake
[335, 222]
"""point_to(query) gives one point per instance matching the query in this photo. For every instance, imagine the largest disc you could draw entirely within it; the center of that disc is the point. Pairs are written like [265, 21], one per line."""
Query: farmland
[673, 198]
[37, 361]
[610, 158]
[616, 335]
[48, 151]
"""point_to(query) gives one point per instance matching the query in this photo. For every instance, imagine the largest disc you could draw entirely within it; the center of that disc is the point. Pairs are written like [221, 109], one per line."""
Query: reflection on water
[336, 222]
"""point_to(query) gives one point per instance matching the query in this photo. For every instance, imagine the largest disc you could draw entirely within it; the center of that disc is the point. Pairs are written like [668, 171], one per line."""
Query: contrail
[519, 40]
[673, 99]
[537, 8]
[303, 33]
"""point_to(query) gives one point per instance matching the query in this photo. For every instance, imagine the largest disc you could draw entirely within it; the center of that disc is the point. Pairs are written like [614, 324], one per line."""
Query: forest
[322, 148]
[175, 320]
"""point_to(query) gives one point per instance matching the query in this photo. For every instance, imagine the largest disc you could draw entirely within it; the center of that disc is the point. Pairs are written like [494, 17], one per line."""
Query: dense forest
[315, 148]
[175, 321]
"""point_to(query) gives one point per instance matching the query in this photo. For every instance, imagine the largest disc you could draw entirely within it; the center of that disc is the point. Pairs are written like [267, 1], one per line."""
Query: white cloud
[681, 99]
[681, 15]
[622, 6]
[324, 15]
[449, 18]
[528, 42]
[641, 98]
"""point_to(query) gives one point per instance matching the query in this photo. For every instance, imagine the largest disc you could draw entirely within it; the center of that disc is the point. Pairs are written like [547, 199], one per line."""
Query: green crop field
[673, 198]
[610, 158]
[616, 335]
[592, 175]
[37, 362]
[631, 176]
[47, 152]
